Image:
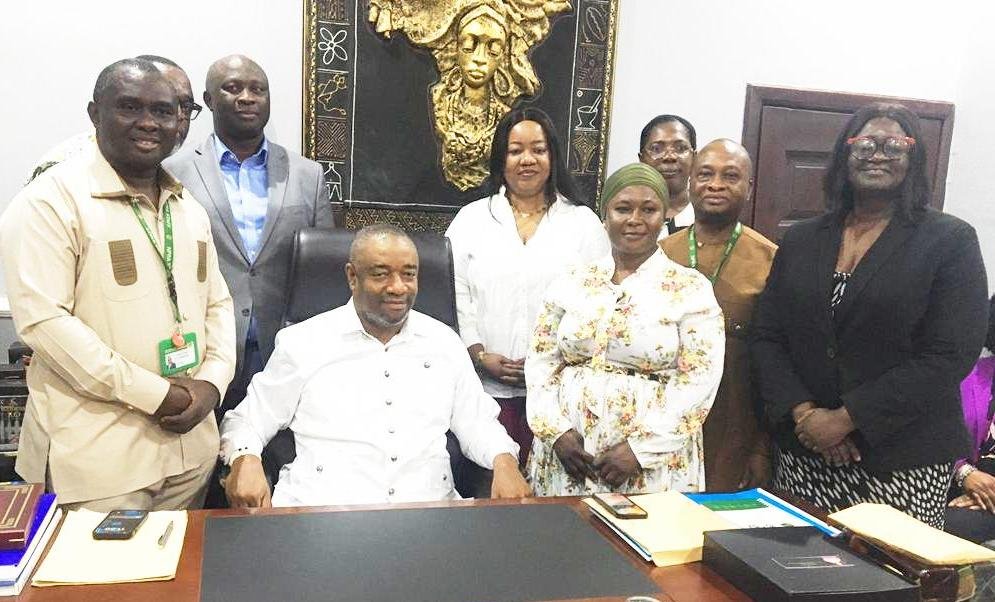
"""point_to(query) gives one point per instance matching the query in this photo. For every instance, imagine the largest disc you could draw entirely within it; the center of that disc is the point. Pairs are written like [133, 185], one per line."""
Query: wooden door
[790, 133]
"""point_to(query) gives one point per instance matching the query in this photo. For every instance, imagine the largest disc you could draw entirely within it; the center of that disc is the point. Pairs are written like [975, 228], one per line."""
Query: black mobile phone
[620, 505]
[120, 524]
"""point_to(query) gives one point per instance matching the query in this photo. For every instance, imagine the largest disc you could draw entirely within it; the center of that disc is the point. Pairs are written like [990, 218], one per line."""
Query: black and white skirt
[920, 492]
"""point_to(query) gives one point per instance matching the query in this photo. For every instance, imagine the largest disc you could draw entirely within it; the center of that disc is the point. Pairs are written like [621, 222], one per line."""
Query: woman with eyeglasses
[872, 315]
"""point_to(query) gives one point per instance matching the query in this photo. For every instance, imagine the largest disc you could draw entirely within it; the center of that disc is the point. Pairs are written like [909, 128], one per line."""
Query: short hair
[109, 73]
[375, 231]
[662, 119]
[560, 180]
[155, 58]
[915, 189]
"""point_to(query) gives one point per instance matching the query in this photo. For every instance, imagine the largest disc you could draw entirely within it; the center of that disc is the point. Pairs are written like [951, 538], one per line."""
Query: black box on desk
[783, 564]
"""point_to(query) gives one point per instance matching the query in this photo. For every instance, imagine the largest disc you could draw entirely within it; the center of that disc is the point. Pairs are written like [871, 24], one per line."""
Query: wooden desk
[685, 583]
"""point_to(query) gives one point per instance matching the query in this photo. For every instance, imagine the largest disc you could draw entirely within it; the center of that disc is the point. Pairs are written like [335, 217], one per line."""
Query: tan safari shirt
[88, 295]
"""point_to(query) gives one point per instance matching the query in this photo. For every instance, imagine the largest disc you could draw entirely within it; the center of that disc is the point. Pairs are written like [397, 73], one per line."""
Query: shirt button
[831, 352]
[319, 468]
[428, 364]
[390, 491]
[386, 373]
[445, 478]
[389, 402]
[245, 312]
[393, 458]
[391, 430]
[252, 272]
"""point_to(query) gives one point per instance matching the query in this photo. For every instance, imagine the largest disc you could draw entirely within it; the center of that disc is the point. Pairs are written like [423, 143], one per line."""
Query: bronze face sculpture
[481, 51]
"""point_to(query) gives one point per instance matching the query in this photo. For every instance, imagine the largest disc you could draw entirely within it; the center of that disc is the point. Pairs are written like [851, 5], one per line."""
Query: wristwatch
[963, 472]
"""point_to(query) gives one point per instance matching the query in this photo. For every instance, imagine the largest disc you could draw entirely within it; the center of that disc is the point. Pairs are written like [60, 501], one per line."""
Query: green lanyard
[166, 255]
[693, 250]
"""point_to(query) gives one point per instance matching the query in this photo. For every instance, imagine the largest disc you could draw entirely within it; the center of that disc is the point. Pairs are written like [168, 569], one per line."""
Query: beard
[722, 218]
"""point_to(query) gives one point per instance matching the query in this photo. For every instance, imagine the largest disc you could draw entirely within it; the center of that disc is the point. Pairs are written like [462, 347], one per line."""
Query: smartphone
[120, 524]
[620, 505]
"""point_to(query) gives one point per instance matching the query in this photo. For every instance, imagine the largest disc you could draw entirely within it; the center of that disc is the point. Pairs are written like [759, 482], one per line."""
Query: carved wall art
[401, 97]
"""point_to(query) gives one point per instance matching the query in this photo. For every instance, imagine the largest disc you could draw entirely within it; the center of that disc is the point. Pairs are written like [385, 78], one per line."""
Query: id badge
[173, 359]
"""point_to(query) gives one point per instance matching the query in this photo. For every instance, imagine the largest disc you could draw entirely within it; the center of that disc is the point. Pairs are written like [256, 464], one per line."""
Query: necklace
[526, 214]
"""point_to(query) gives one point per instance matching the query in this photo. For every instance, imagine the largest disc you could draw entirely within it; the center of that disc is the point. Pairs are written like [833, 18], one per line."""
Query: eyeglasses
[865, 147]
[659, 149]
[190, 110]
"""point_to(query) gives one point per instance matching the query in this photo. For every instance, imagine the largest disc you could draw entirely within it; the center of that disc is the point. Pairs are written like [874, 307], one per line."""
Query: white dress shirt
[369, 419]
[683, 219]
[500, 280]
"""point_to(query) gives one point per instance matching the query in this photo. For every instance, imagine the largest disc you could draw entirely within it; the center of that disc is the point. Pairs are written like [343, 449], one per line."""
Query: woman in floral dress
[625, 359]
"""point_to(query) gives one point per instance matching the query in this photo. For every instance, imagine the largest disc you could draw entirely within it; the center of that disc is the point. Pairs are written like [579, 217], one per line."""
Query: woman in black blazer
[872, 315]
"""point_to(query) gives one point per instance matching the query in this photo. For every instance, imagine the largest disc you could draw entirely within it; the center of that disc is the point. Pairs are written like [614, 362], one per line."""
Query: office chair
[318, 283]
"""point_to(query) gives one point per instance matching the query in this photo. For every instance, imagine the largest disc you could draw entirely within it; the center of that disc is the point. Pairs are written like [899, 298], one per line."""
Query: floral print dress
[638, 361]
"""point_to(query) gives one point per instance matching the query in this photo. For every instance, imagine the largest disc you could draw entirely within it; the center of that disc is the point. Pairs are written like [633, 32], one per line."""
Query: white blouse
[500, 280]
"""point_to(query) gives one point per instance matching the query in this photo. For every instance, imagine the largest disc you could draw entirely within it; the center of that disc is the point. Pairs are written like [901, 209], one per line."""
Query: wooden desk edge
[684, 583]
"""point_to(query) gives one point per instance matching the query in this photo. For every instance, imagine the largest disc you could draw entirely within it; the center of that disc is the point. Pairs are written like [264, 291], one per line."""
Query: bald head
[721, 180]
[234, 62]
[237, 92]
[728, 149]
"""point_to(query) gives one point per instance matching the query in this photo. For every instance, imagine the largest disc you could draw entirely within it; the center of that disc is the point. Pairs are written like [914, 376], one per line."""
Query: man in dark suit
[257, 195]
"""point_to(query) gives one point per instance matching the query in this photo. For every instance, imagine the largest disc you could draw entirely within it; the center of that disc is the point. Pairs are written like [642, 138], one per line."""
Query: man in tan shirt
[737, 259]
[85, 249]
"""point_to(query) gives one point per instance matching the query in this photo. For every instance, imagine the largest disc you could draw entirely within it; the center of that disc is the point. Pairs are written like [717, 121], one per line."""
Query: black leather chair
[318, 283]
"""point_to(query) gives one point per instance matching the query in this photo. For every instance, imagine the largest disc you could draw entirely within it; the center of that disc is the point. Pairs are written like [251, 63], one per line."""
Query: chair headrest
[318, 282]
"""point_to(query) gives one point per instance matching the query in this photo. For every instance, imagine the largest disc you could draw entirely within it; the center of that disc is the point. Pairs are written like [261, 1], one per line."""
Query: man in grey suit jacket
[257, 196]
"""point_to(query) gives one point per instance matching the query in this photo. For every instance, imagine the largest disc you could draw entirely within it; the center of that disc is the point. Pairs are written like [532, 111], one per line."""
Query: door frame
[758, 97]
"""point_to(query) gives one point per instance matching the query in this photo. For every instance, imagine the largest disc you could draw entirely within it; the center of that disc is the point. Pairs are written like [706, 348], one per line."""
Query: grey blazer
[297, 199]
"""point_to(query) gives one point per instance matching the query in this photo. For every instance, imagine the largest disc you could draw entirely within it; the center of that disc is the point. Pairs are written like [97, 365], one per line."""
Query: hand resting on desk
[508, 481]
[246, 485]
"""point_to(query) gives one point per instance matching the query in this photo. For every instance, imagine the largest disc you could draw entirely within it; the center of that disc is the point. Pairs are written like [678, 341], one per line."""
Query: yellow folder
[673, 531]
[76, 558]
[893, 529]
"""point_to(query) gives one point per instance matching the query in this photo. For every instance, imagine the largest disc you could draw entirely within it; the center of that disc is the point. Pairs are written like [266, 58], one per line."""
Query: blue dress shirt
[246, 185]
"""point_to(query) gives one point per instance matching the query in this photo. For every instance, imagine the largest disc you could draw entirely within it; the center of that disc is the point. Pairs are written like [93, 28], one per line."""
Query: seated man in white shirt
[369, 390]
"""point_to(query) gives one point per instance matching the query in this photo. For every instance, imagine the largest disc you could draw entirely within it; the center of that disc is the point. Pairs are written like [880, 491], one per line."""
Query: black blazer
[909, 328]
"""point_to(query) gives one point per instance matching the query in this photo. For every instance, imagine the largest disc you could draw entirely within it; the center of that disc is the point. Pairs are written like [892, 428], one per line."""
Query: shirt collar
[225, 154]
[105, 183]
[412, 325]
[658, 258]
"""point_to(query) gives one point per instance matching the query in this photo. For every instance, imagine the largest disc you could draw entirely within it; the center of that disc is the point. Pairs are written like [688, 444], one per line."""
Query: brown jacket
[732, 431]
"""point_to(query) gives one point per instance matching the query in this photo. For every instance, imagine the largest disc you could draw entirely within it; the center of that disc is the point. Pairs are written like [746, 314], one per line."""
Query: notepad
[672, 533]
[893, 529]
[76, 558]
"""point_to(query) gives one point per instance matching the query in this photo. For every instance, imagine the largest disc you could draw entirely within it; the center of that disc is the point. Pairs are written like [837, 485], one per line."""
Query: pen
[165, 535]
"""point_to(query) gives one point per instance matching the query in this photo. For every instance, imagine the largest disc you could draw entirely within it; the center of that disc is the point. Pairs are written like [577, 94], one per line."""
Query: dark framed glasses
[190, 110]
[864, 147]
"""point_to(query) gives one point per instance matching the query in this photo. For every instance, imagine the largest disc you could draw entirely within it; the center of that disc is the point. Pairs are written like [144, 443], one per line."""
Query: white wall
[690, 58]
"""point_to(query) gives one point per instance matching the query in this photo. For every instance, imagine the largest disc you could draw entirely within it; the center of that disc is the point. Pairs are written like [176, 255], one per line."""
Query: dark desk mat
[485, 554]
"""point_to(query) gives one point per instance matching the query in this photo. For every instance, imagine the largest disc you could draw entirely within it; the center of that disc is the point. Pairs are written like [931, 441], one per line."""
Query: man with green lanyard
[114, 283]
[736, 259]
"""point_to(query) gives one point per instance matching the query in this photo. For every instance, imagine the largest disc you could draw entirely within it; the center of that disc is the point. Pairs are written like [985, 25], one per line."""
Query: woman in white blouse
[507, 248]
[625, 360]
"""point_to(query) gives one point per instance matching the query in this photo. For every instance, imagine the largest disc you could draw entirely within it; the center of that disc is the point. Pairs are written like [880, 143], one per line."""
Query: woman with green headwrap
[625, 359]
